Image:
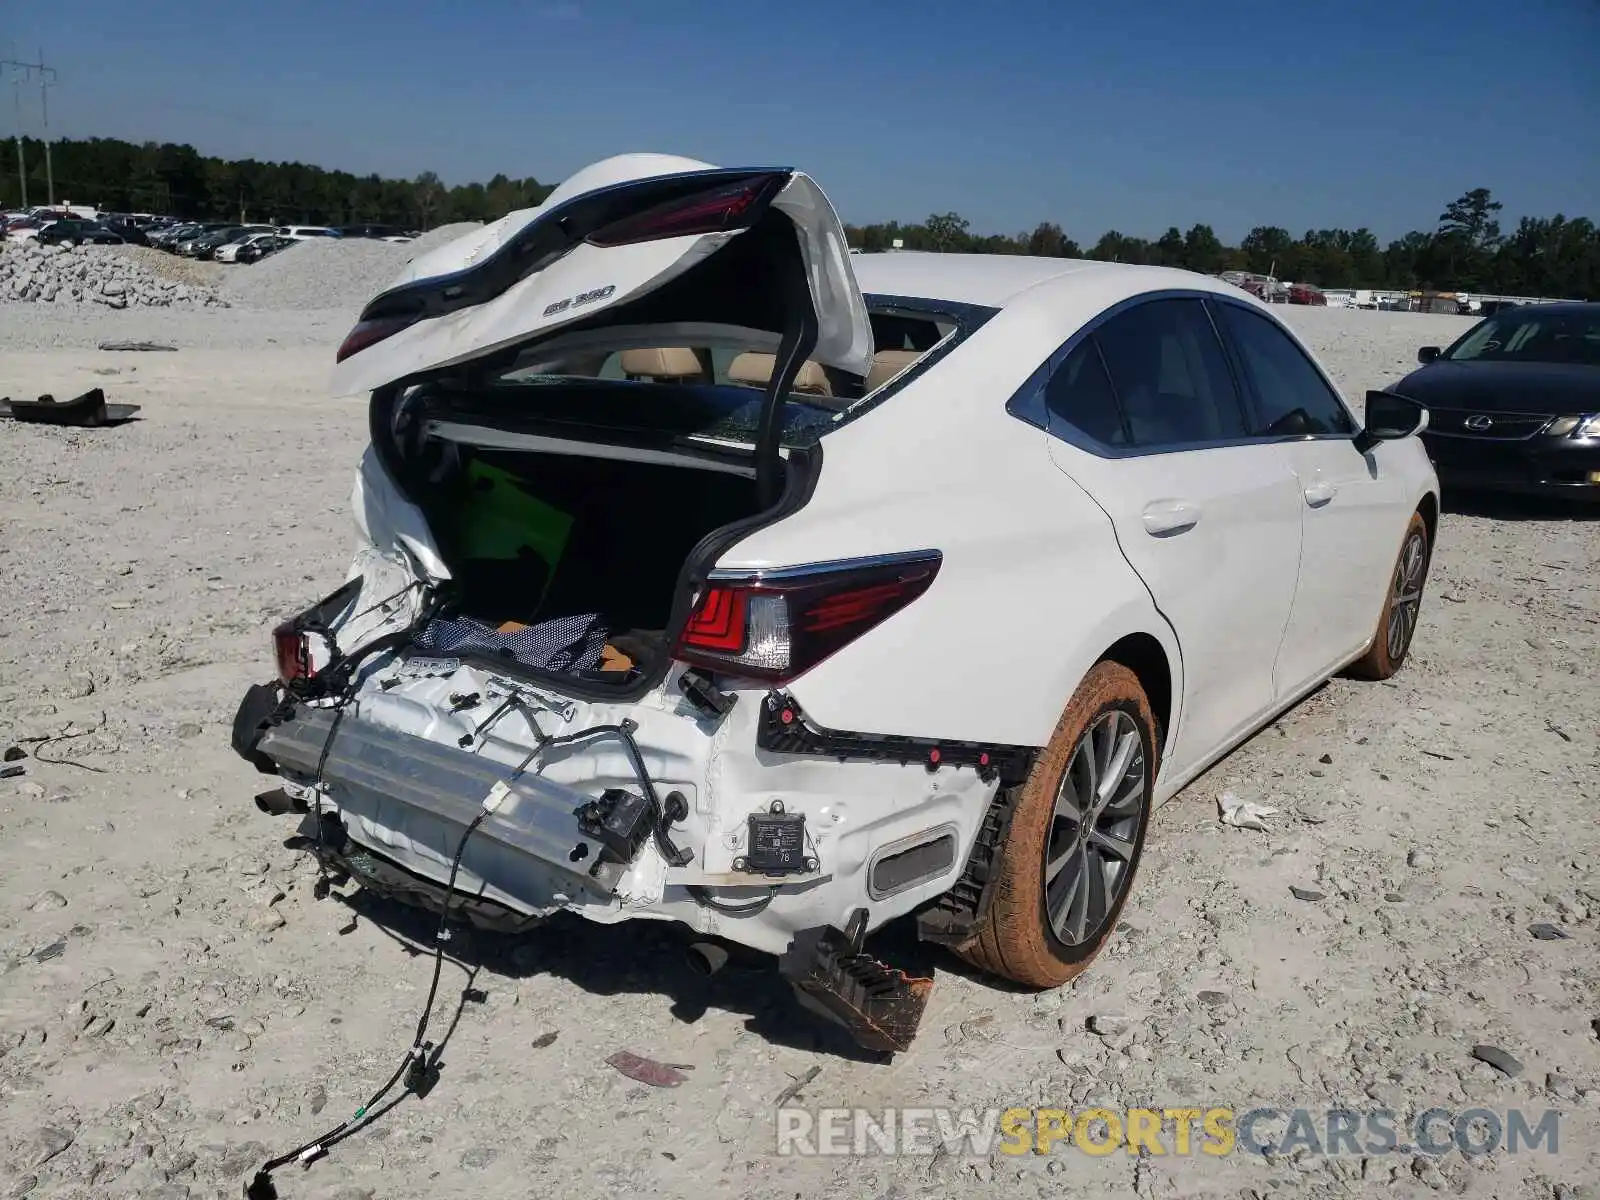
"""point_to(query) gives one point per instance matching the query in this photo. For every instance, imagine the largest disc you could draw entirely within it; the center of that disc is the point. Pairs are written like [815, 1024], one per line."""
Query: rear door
[1145, 414]
[1353, 504]
[592, 261]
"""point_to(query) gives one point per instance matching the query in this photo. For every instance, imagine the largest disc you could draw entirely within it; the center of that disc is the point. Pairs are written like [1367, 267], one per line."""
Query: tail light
[728, 207]
[776, 627]
[294, 653]
[367, 333]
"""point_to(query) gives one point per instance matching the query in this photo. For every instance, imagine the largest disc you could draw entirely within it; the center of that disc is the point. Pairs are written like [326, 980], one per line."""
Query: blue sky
[1135, 114]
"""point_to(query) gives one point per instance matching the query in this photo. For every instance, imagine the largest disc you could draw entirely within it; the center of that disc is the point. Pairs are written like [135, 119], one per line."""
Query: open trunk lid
[641, 250]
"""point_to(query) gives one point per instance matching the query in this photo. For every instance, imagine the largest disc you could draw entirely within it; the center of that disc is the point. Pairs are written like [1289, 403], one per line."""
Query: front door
[1349, 500]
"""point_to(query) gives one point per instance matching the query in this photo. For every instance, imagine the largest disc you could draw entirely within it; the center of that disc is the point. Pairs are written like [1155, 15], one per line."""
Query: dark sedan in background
[73, 232]
[1514, 404]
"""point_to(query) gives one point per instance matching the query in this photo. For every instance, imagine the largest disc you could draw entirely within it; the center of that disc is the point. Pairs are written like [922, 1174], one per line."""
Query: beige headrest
[666, 362]
[755, 370]
[886, 364]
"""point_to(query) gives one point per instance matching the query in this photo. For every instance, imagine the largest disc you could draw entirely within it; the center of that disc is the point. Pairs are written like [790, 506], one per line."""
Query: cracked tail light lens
[776, 629]
[293, 650]
[368, 333]
[720, 209]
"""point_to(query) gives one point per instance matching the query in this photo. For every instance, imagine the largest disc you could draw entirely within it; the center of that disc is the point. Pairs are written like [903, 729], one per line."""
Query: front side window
[1170, 375]
[1292, 397]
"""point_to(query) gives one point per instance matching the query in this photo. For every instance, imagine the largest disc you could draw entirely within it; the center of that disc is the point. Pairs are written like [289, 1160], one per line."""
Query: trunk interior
[534, 537]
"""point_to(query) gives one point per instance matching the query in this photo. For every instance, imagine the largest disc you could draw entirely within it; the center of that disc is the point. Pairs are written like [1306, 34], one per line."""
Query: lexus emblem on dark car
[1479, 423]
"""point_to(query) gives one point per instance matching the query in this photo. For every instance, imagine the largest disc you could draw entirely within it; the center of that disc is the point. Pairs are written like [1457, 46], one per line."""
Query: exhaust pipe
[707, 958]
[278, 803]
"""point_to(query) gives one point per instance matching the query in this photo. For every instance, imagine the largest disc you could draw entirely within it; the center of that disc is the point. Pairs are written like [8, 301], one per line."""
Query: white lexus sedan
[711, 574]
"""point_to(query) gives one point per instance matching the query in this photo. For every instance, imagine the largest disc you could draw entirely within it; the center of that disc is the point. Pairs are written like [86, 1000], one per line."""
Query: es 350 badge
[580, 299]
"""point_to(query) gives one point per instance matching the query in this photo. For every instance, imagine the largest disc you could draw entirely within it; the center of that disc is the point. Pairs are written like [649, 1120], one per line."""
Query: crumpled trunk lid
[582, 267]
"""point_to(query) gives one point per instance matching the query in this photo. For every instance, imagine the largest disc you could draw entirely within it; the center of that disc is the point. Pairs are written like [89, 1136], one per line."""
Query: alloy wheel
[1406, 602]
[1094, 829]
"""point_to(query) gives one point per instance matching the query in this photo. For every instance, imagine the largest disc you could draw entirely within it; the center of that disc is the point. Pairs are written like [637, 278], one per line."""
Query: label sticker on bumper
[426, 668]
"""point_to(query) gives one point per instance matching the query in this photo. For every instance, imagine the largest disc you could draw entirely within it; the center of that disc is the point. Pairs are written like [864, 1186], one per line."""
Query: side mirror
[1390, 417]
[1428, 353]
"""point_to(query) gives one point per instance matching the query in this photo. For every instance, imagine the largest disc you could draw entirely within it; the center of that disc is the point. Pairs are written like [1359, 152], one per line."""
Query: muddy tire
[1086, 804]
[1402, 604]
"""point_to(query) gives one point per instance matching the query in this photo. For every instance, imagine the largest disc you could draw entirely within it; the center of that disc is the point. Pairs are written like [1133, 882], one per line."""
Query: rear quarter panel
[1032, 590]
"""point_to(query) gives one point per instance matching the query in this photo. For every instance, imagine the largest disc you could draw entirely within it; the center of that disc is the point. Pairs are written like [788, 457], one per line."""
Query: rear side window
[1171, 375]
[1290, 394]
[1079, 394]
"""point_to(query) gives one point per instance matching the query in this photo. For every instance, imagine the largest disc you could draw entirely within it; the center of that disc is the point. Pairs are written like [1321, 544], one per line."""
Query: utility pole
[46, 78]
[21, 72]
[22, 164]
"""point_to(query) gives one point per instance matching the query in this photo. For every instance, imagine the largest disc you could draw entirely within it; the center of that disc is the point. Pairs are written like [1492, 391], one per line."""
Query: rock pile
[328, 272]
[90, 275]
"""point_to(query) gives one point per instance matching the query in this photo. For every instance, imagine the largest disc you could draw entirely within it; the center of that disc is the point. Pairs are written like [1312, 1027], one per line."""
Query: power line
[23, 72]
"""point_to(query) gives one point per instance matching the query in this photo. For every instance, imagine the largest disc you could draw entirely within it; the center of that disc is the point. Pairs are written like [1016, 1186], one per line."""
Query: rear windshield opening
[567, 493]
[900, 340]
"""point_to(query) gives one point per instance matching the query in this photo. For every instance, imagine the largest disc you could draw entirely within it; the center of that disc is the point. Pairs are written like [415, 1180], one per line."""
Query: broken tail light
[774, 627]
[720, 209]
[293, 649]
[370, 332]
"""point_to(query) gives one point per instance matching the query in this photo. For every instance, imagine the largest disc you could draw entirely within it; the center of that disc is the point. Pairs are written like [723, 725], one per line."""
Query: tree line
[178, 180]
[1465, 251]
[1544, 256]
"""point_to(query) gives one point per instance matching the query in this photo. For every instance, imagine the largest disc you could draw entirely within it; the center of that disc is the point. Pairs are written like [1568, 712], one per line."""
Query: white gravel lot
[166, 1020]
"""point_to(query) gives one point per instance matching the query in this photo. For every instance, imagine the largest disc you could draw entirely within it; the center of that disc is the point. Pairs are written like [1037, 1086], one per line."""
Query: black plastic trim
[259, 708]
[784, 729]
[952, 919]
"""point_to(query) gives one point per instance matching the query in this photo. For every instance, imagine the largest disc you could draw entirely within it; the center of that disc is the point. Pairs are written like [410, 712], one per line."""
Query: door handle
[1320, 492]
[1165, 517]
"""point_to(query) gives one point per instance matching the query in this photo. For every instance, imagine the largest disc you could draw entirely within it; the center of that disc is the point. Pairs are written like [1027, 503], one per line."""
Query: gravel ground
[174, 1004]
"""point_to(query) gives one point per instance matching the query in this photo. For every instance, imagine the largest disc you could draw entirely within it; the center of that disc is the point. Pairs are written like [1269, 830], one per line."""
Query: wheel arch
[1147, 658]
[1428, 507]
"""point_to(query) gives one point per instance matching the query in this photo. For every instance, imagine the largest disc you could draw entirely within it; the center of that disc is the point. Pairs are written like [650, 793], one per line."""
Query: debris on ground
[88, 410]
[1501, 1060]
[1547, 932]
[795, 1088]
[1244, 814]
[647, 1070]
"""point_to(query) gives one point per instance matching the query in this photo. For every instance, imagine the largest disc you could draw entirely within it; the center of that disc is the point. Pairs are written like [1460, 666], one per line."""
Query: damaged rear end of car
[538, 690]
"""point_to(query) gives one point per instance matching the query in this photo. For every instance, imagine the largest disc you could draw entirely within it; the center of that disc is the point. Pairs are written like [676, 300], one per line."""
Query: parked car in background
[208, 243]
[206, 240]
[258, 248]
[1305, 293]
[300, 233]
[1514, 403]
[230, 251]
[1140, 522]
[23, 229]
[168, 236]
[77, 233]
[128, 232]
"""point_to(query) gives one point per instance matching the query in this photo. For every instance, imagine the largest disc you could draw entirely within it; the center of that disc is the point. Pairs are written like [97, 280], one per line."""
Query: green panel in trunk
[500, 520]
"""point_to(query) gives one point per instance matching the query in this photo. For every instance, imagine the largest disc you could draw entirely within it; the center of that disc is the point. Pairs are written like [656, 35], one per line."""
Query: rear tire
[1402, 606]
[1086, 803]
